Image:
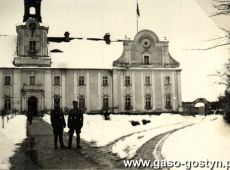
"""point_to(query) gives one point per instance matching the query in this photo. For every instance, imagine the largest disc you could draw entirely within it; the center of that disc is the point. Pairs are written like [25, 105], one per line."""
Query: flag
[138, 12]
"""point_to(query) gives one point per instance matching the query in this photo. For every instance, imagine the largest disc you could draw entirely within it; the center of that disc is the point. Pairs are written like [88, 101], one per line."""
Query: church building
[143, 79]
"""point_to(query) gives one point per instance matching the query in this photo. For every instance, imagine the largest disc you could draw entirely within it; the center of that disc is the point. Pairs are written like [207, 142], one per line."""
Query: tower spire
[32, 10]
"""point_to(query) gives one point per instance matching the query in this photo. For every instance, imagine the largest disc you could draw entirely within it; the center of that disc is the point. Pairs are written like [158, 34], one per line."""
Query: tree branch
[220, 13]
[209, 48]
[217, 38]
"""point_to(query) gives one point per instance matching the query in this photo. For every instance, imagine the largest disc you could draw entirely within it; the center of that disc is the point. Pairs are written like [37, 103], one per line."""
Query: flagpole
[137, 23]
[137, 13]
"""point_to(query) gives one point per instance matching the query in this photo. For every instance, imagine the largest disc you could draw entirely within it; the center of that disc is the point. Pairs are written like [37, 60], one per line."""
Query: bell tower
[32, 10]
[32, 48]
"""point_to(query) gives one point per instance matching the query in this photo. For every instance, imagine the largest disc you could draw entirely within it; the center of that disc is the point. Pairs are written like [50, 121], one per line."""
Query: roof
[75, 54]
[85, 54]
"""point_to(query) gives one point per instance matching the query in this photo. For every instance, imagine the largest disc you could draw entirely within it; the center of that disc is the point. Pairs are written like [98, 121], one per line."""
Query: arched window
[148, 102]
[82, 102]
[128, 103]
[168, 102]
[32, 11]
[7, 103]
[105, 102]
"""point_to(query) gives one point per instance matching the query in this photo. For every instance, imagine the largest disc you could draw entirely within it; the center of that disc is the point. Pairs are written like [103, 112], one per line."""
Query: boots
[78, 141]
[70, 140]
[61, 142]
[55, 142]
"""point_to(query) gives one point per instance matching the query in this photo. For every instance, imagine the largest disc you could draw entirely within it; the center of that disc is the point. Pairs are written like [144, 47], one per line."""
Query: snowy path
[128, 147]
[49, 158]
[151, 150]
[13, 133]
[209, 139]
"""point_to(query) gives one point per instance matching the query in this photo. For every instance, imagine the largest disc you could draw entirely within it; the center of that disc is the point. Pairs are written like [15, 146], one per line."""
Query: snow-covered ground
[13, 133]
[125, 138]
[207, 140]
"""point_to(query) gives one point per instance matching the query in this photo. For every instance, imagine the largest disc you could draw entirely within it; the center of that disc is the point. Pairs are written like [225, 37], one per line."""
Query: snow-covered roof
[76, 53]
[85, 54]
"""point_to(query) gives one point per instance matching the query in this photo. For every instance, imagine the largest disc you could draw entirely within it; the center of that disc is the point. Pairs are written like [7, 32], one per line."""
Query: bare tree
[222, 7]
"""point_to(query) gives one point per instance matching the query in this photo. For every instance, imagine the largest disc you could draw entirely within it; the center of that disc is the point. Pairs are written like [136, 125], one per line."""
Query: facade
[144, 79]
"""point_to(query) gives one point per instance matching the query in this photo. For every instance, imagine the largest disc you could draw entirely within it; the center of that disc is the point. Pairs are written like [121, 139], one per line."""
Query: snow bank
[14, 132]
[128, 147]
[99, 132]
[208, 140]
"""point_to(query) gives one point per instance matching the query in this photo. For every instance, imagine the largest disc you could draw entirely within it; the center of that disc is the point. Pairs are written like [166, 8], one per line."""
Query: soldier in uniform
[30, 115]
[75, 123]
[58, 124]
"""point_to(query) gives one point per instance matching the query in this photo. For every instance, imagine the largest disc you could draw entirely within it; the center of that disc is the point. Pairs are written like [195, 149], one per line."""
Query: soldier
[30, 115]
[58, 124]
[75, 123]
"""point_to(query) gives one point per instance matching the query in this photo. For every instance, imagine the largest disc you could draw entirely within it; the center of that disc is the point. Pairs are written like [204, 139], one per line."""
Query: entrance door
[33, 105]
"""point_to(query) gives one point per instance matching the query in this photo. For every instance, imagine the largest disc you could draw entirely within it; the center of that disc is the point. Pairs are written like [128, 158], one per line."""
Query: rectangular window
[127, 80]
[7, 104]
[32, 80]
[7, 80]
[168, 102]
[146, 59]
[105, 81]
[81, 81]
[57, 101]
[128, 103]
[147, 80]
[105, 102]
[148, 102]
[167, 80]
[82, 103]
[57, 80]
[32, 46]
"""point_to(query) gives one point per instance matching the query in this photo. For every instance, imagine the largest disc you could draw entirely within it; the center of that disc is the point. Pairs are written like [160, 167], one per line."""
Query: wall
[93, 90]
[24, 36]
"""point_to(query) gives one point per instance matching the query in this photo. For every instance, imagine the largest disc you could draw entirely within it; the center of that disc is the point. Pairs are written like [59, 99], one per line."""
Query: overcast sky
[185, 23]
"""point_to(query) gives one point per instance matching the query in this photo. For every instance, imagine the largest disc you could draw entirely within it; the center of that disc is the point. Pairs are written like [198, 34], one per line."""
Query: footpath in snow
[41, 136]
[207, 140]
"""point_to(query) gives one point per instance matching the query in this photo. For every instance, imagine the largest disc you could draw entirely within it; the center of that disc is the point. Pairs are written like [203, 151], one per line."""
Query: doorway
[201, 106]
[33, 105]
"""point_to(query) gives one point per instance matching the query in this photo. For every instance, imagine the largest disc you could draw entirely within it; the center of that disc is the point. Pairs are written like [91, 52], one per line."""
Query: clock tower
[32, 49]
